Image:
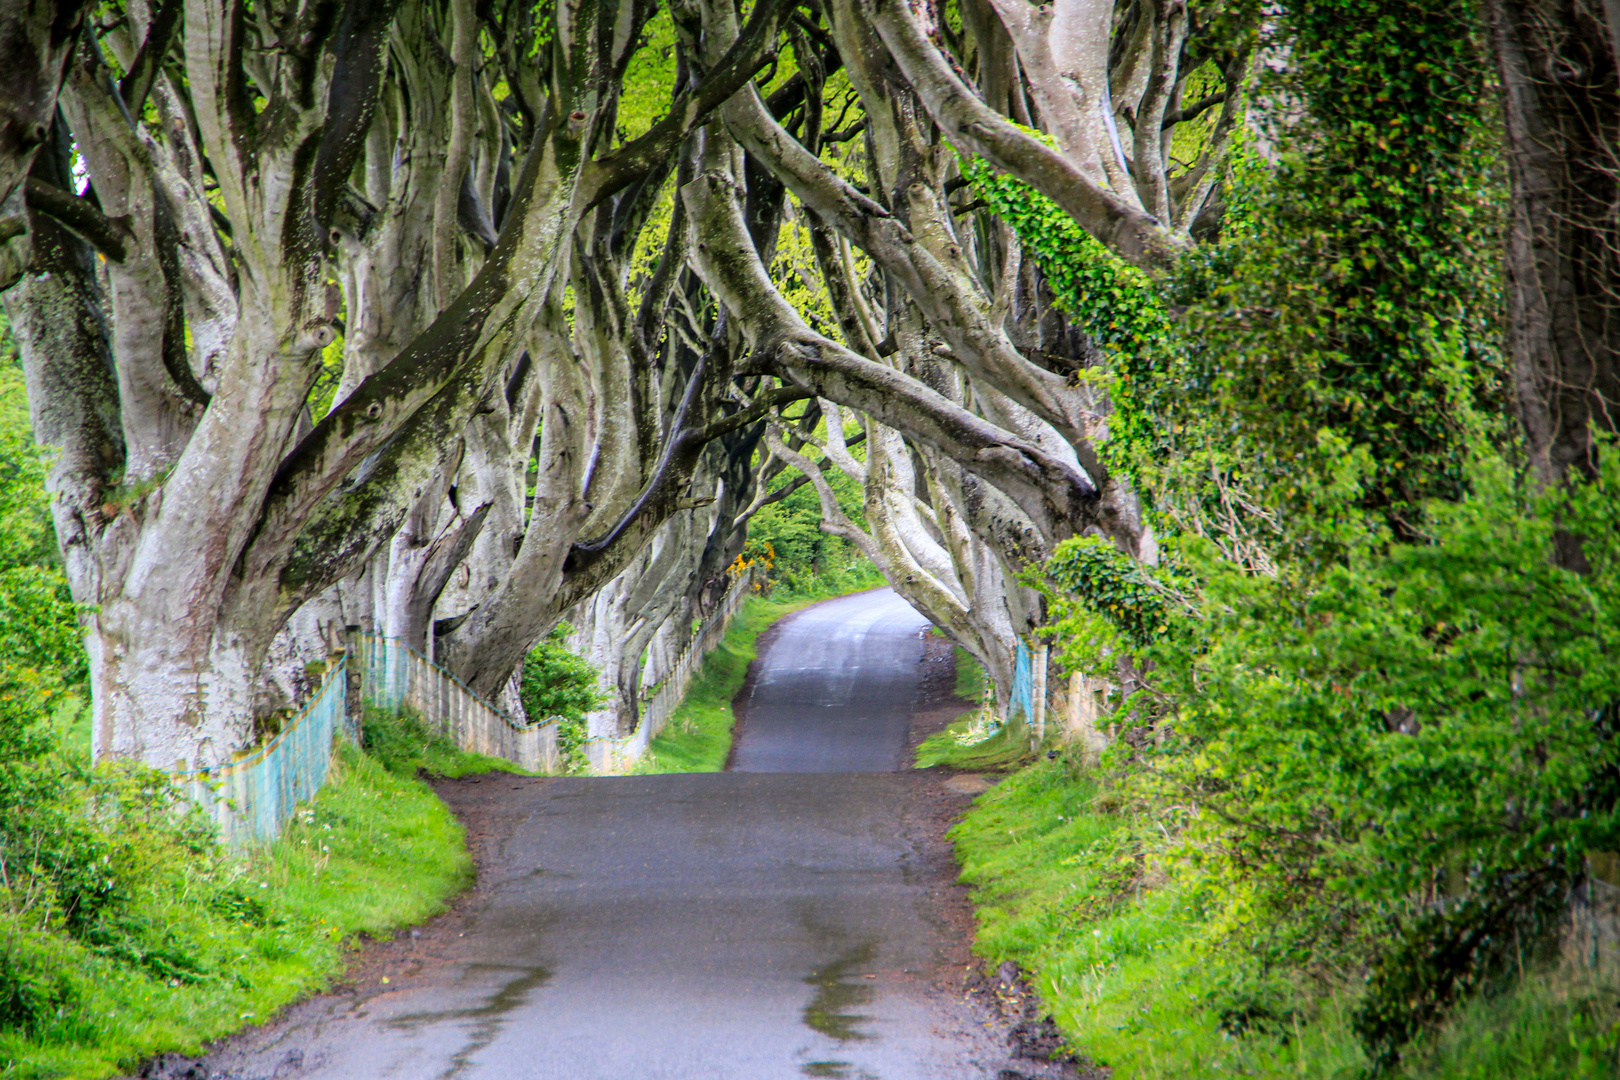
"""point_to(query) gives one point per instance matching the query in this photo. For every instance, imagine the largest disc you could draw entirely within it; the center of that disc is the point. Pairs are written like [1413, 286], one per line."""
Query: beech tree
[235, 156]
[953, 305]
[1560, 71]
[336, 311]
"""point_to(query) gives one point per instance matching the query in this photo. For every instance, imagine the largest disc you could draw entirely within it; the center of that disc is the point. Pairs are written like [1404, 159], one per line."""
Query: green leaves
[557, 682]
[1099, 580]
[1408, 751]
[1352, 289]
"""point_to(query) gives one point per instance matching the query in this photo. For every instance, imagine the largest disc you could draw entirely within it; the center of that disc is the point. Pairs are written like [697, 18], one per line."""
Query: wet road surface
[834, 691]
[780, 920]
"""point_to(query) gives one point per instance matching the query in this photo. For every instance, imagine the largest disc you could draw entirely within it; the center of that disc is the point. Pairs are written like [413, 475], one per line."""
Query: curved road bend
[769, 922]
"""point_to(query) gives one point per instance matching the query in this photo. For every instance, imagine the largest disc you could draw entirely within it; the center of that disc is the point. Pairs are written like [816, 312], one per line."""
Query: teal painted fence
[250, 798]
[1022, 700]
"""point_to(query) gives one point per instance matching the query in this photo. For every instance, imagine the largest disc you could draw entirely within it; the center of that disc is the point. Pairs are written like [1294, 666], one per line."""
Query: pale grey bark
[496, 454]
[235, 510]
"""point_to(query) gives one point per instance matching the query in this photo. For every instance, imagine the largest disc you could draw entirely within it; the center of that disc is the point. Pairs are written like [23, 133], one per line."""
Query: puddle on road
[512, 994]
[832, 1010]
[838, 1070]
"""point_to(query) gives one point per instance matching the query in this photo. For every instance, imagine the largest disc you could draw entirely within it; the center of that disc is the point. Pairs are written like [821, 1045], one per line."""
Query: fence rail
[250, 798]
[609, 756]
[397, 676]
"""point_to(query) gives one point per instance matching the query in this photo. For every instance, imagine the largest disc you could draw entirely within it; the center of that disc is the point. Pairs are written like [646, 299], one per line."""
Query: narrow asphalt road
[785, 919]
[834, 691]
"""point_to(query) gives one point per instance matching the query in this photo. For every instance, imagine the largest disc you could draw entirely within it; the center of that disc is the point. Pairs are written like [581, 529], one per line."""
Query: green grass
[216, 942]
[963, 744]
[405, 746]
[971, 680]
[1122, 947]
[207, 942]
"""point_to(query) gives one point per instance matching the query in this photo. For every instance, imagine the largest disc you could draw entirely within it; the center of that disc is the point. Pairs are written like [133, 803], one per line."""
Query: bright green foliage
[1349, 305]
[792, 528]
[404, 745]
[1356, 287]
[1119, 307]
[40, 640]
[1421, 720]
[1129, 607]
[1077, 883]
[1393, 711]
[26, 535]
[326, 384]
[1437, 716]
[184, 944]
[40, 649]
[556, 683]
[649, 79]
[806, 562]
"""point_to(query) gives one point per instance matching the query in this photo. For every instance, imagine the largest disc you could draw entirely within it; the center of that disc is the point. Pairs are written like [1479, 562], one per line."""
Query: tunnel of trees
[1264, 356]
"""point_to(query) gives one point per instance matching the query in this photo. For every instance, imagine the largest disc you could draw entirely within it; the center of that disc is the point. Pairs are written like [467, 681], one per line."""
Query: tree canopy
[1262, 356]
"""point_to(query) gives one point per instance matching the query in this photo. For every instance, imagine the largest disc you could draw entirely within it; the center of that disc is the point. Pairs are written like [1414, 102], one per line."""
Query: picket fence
[252, 797]
[399, 677]
[610, 756]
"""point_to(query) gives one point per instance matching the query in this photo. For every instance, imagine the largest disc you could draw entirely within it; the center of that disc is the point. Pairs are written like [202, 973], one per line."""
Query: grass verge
[963, 744]
[971, 681]
[698, 736]
[201, 942]
[1129, 953]
[405, 746]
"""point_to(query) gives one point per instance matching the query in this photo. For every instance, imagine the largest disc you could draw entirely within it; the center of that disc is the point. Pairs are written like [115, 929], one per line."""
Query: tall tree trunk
[1560, 68]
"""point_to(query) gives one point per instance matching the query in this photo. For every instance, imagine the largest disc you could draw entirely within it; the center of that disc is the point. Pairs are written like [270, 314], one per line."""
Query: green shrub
[558, 684]
[37, 985]
[185, 941]
[1402, 758]
[1131, 948]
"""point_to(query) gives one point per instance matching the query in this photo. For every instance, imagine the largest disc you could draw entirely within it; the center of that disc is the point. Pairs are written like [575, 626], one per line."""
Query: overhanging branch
[105, 234]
